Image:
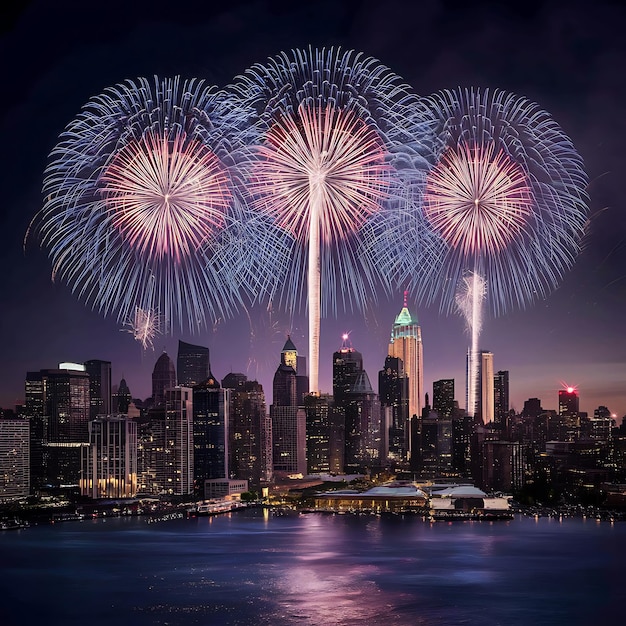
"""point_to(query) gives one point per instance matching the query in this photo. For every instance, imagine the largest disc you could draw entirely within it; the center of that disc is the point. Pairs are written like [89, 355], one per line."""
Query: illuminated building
[485, 394]
[393, 391]
[347, 364]
[567, 427]
[57, 406]
[192, 364]
[325, 424]
[14, 458]
[179, 441]
[249, 457]
[163, 377]
[288, 416]
[211, 425]
[363, 433]
[109, 463]
[501, 399]
[443, 397]
[406, 344]
[99, 387]
[121, 398]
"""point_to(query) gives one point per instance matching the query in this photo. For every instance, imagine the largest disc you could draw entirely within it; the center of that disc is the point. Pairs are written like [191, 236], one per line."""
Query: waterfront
[255, 567]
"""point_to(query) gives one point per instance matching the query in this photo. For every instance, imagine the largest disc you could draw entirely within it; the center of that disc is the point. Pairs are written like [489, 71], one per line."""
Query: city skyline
[572, 337]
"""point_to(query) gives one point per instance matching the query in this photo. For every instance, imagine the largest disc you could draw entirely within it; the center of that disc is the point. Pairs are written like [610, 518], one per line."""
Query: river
[256, 567]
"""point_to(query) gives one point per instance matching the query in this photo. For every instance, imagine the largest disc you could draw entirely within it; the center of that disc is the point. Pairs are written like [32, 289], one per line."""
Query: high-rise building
[406, 344]
[163, 377]
[393, 391]
[363, 432]
[443, 398]
[179, 440]
[249, 457]
[109, 464]
[485, 396]
[211, 426]
[501, 398]
[121, 398]
[567, 426]
[288, 417]
[192, 364]
[569, 402]
[58, 408]
[14, 458]
[347, 364]
[99, 387]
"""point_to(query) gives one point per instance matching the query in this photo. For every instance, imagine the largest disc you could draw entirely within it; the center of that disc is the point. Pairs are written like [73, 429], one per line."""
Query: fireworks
[324, 170]
[140, 207]
[506, 196]
[144, 326]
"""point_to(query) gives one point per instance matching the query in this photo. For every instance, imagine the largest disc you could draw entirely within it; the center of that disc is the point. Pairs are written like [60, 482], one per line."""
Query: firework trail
[506, 197]
[336, 132]
[140, 211]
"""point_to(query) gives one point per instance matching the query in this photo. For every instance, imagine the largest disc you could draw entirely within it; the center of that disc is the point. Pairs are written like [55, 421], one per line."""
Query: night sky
[569, 57]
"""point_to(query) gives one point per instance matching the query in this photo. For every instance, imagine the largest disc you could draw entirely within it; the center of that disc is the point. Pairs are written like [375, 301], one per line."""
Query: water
[255, 568]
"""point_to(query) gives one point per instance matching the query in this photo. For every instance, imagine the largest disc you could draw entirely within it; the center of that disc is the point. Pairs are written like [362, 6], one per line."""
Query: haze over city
[566, 58]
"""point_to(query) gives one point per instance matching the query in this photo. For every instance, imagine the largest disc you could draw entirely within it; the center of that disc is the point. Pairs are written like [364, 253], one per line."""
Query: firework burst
[505, 195]
[140, 209]
[336, 129]
[144, 326]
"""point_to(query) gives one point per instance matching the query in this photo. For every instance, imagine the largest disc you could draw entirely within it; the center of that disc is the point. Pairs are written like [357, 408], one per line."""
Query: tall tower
[99, 387]
[211, 422]
[443, 397]
[163, 377]
[406, 344]
[486, 407]
[347, 364]
[248, 456]
[179, 459]
[288, 416]
[501, 398]
[393, 390]
[192, 364]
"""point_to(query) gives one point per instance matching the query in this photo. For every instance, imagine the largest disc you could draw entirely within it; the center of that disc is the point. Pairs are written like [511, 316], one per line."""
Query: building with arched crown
[406, 344]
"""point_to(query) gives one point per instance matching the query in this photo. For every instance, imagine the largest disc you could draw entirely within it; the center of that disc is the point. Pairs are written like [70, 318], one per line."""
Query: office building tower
[192, 364]
[99, 387]
[249, 458]
[179, 441]
[211, 426]
[14, 458]
[503, 466]
[109, 464]
[567, 426]
[58, 408]
[163, 377]
[406, 344]
[501, 399]
[443, 398]
[363, 431]
[393, 391]
[288, 417]
[347, 365]
[485, 394]
[121, 398]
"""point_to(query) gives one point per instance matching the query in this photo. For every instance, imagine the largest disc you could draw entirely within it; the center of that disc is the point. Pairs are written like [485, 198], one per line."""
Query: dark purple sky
[569, 57]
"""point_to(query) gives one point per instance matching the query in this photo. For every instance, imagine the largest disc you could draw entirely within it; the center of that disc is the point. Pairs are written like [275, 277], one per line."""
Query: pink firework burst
[478, 199]
[324, 156]
[166, 197]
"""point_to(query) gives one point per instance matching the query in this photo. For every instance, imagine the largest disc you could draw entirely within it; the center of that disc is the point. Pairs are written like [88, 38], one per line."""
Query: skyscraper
[179, 451]
[14, 458]
[501, 398]
[58, 407]
[406, 344]
[211, 424]
[99, 387]
[288, 416]
[485, 396]
[249, 458]
[347, 364]
[192, 364]
[393, 391]
[163, 377]
[443, 397]
[122, 398]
